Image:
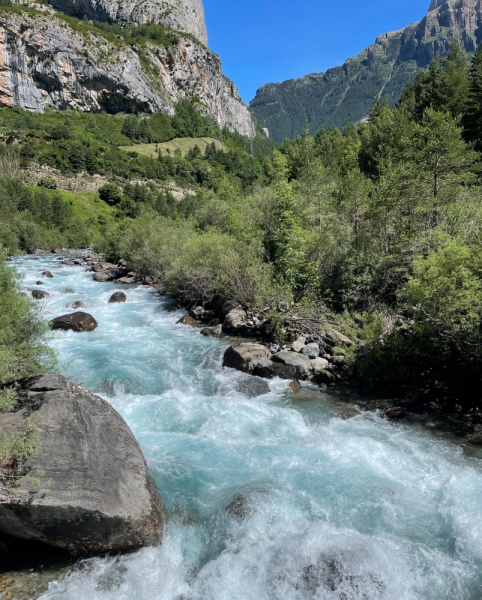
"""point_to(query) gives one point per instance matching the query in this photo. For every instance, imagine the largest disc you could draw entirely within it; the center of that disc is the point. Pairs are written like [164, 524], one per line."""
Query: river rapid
[271, 498]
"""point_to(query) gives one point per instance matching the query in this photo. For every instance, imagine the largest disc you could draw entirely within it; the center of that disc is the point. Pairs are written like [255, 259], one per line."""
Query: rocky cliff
[347, 93]
[50, 59]
[181, 15]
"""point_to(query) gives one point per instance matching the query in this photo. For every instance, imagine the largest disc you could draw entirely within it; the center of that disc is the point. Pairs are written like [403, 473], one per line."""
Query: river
[325, 507]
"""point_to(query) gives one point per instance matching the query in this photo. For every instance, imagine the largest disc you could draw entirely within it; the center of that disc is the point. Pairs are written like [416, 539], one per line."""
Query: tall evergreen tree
[472, 119]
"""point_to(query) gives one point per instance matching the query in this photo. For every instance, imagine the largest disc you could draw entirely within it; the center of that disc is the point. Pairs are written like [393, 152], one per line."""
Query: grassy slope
[182, 144]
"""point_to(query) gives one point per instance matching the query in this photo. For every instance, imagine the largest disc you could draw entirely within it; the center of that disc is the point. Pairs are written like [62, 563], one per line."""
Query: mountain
[347, 93]
[114, 56]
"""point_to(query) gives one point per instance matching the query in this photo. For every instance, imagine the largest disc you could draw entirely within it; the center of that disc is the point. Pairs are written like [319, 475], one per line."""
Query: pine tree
[472, 119]
[131, 127]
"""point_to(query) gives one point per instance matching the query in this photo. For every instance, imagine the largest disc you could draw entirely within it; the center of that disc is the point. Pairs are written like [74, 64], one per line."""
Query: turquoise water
[334, 509]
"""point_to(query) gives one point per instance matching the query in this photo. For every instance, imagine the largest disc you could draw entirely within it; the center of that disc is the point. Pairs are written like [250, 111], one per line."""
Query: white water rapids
[328, 508]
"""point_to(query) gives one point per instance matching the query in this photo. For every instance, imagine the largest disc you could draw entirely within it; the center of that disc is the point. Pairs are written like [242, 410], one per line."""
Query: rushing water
[324, 508]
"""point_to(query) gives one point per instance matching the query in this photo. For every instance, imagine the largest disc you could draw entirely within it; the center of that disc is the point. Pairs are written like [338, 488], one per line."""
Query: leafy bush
[110, 193]
[47, 181]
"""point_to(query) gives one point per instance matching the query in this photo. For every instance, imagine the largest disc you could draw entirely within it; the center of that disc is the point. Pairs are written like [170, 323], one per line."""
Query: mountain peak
[346, 94]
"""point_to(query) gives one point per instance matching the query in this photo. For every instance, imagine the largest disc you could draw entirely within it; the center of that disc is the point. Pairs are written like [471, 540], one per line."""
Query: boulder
[40, 295]
[39, 283]
[95, 493]
[268, 369]
[127, 280]
[299, 344]
[212, 331]
[335, 337]
[252, 387]
[319, 364]
[187, 320]
[77, 304]
[235, 320]
[47, 274]
[324, 377]
[78, 321]
[109, 274]
[396, 412]
[69, 291]
[245, 356]
[311, 351]
[295, 386]
[300, 362]
[197, 312]
[117, 297]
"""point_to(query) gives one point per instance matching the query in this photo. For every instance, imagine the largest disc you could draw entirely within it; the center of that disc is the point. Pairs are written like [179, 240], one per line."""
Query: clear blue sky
[263, 41]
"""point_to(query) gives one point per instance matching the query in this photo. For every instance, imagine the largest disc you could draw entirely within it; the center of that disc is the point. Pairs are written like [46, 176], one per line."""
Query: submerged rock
[77, 304]
[95, 493]
[252, 387]
[268, 369]
[212, 331]
[186, 320]
[396, 412]
[79, 321]
[40, 295]
[117, 297]
[47, 274]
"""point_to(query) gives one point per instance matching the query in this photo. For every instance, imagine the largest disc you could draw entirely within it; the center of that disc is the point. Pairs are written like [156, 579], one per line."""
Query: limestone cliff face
[181, 15]
[45, 62]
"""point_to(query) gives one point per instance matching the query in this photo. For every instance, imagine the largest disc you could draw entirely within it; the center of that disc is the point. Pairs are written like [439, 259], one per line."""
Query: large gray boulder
[95, 493]
[300, 362]
[268, 369]
[235, 321]
[117, 297]
[245, 356]
[78, 321]
[40, 295]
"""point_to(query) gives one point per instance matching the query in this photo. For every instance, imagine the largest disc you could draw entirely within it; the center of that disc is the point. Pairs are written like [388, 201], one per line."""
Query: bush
[47, 181]
[110, 193]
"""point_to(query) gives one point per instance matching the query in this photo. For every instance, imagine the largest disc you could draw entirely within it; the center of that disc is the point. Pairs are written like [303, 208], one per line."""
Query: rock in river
[245, 356]
[78, 321]
[47, 274]
[40, 295]
[118, 297]
[95, 492]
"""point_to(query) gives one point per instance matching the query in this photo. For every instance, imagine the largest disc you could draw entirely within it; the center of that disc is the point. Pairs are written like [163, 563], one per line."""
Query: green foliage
[111, 194]
[47, 181]
[22, 349]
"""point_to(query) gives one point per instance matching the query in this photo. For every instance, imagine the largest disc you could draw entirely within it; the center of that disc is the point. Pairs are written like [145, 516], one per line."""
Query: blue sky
[263, 41]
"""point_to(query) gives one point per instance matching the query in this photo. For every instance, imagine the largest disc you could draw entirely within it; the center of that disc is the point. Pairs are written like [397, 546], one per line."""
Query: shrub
[110, 193]
[47, 181]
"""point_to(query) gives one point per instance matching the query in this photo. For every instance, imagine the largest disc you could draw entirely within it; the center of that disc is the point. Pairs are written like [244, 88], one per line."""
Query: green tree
[472, 119]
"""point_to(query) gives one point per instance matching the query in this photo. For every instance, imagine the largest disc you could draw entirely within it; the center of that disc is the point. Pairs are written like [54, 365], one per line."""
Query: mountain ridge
[346, 93]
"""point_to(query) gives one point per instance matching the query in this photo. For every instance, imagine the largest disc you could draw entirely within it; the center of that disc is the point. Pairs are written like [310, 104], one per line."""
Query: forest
[376, 227]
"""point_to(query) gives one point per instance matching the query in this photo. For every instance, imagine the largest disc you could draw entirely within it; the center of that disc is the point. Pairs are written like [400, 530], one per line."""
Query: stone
[337, 351]
[186, 320]
[295, 386]
[475, 438]
[245, 356]
[95, 493]
[298, 345]
[274, 348]
[300, 362]
[319, 364]
[47, 274]
[235, 320]
[252, 387]
[212, 331]
[40, 295]
[39, 283]
[78, 321]
[127, 280]
[324, 377]
[335, 337]
[77, 304]
[396, 412]
[117, 297]
[311, 351]
[197, 312]
[69, 291]
[268, 369]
